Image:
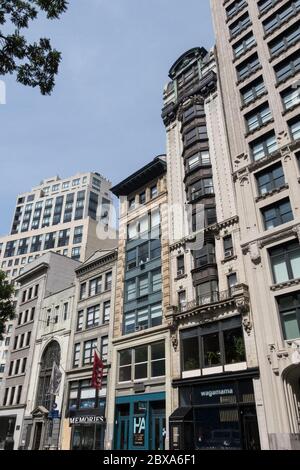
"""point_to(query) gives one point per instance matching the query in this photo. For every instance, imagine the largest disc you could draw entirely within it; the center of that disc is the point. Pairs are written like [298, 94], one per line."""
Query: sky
[104, 114]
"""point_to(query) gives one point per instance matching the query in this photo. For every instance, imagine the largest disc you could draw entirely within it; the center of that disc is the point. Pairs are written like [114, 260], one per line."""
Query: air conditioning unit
[228, 253]
[180, 272]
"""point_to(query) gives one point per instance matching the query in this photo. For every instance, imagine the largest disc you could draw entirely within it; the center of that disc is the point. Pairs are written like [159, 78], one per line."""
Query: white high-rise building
[69, 216]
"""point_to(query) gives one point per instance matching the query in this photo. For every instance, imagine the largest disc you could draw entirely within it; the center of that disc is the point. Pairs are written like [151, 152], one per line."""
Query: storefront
[87, 432]
[7, 429]
[215, 413]
[140, 422]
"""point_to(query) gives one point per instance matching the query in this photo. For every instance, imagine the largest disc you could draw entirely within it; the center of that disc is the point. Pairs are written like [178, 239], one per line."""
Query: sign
[213, 393]
[87, 420]
[139, 426]
[54, 406]
[53, 414]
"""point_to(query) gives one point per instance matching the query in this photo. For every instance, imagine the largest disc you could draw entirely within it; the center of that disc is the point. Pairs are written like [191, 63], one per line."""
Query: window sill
[262, 126]
[284, 285]
[286, 111]
[181, 276]
[214, 370]
[249, 75]
[230, 258]
[243, 54]
[271, 193]
[236, 35]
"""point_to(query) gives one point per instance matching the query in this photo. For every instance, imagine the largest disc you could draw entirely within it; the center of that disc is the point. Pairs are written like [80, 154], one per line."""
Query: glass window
[131, 289]
[142, 197]
[270, 179]
[76, 356]
[83, 291]
[143, 285]
[156, 281]
[93, 316]
[190, 348]
[95, 286]
[248, 67]
[79, 320]
[104, 348]
[153, 191]
[258, 118]
[238, 26]
[106, 311]
[295, 129]
[289, 310]
[125, 365]
[277, 214]
[285, 261]
[108, 281]
[157, 359]
[131, 259]
[88, 351]
[290, 98]
[143, 253]
[263, 147]
[156, 314]
[244, 45]
[141, 363]
[211, 347]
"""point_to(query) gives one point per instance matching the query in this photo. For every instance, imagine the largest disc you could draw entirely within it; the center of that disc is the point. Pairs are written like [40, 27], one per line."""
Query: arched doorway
[50, 355]
[43, 426]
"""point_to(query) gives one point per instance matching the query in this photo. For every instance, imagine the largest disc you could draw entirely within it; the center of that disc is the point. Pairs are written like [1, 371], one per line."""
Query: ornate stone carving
[254, 250]
[173, 325]
[296, 230]
[247, 324]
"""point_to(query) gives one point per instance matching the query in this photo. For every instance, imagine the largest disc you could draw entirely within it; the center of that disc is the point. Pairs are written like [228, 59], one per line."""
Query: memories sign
[87, 420]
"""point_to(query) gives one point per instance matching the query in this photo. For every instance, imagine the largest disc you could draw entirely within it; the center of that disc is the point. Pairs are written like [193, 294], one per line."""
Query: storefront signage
[87, 419]
[213, 393]
[139, 426]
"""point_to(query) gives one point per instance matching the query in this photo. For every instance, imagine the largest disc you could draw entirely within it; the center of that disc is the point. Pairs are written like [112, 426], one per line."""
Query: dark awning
[181, 413]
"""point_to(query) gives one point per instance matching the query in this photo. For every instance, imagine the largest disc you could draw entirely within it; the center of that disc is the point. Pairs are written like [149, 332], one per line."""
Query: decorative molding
[296, 231]
[271, 193]
[284, 285]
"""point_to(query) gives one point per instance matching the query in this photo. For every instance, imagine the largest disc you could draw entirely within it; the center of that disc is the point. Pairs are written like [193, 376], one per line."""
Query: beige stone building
[257, 47]
[85, 410]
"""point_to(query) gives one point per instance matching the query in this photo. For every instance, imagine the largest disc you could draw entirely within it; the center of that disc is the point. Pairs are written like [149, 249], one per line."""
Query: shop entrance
[250, 432]
[140, 423]
[37, 436]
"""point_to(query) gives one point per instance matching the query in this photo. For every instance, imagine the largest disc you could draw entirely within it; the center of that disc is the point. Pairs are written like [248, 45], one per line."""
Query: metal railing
[210, 298]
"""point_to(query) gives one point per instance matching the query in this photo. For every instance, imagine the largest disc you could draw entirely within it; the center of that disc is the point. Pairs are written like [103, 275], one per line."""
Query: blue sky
[104, 114]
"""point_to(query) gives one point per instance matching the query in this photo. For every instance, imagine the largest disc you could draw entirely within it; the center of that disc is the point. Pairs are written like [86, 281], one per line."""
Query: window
[104, 348]
[19, 395]
[28, 338]
[83, 397]
[285, 261]
[36, 290]
[231, 281]
[76, 355]
[156, 281]
[131, 203]
[180, 265]
[153, 191]
[82, 291]
[131, 259]
[79, 320]
[276, 20]
[88, 352]
[288, 67]
[263, 147]
[265, 5]
[66, 306]
[106, 311]
[95, 286]
[143, 282]
[295, 128]
[217, 344]
[143, 318]
[12, 395]
[228, 246]
[258, 118]
[290, 98]
[93, 316]
[248, 67]
[289, 311]
[155, 248]
[277, 214]
[24, 365]
[108, 281]
[75, 254]
[182, 299]
[285, 40]
[244, 45]
[142, 198]
[198, 159]
[238, 26]
[78, 231]
[143, 254]
[270, 179]
[202, 187]
[32, 313]
[142, 362]
[235, 8]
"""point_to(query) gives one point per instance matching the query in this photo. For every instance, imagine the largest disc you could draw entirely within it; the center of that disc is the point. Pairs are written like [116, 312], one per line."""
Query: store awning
[182, 413]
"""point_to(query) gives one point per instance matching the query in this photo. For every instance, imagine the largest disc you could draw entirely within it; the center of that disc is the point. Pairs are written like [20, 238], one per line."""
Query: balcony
[237, 295]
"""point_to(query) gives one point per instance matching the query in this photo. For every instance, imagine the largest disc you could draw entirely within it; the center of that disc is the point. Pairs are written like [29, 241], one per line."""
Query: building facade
[42, 416]
[51, 273]
[257, 46]
[85, 408]
[216, 381]
[68, 216]
[139, 395]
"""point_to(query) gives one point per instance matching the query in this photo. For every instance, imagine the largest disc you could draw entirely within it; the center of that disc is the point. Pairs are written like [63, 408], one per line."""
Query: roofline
[203, 52]
[102, 260]
[119, 189]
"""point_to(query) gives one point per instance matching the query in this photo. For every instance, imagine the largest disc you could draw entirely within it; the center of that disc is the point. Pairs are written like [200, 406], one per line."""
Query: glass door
[250, 429]
[157, 426]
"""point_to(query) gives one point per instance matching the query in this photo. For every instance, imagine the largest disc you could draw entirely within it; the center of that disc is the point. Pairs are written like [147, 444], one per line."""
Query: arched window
[50, 355]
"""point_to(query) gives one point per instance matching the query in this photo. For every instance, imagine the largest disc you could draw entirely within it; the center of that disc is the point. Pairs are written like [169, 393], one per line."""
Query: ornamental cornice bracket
[296, 231]
[173, 327]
